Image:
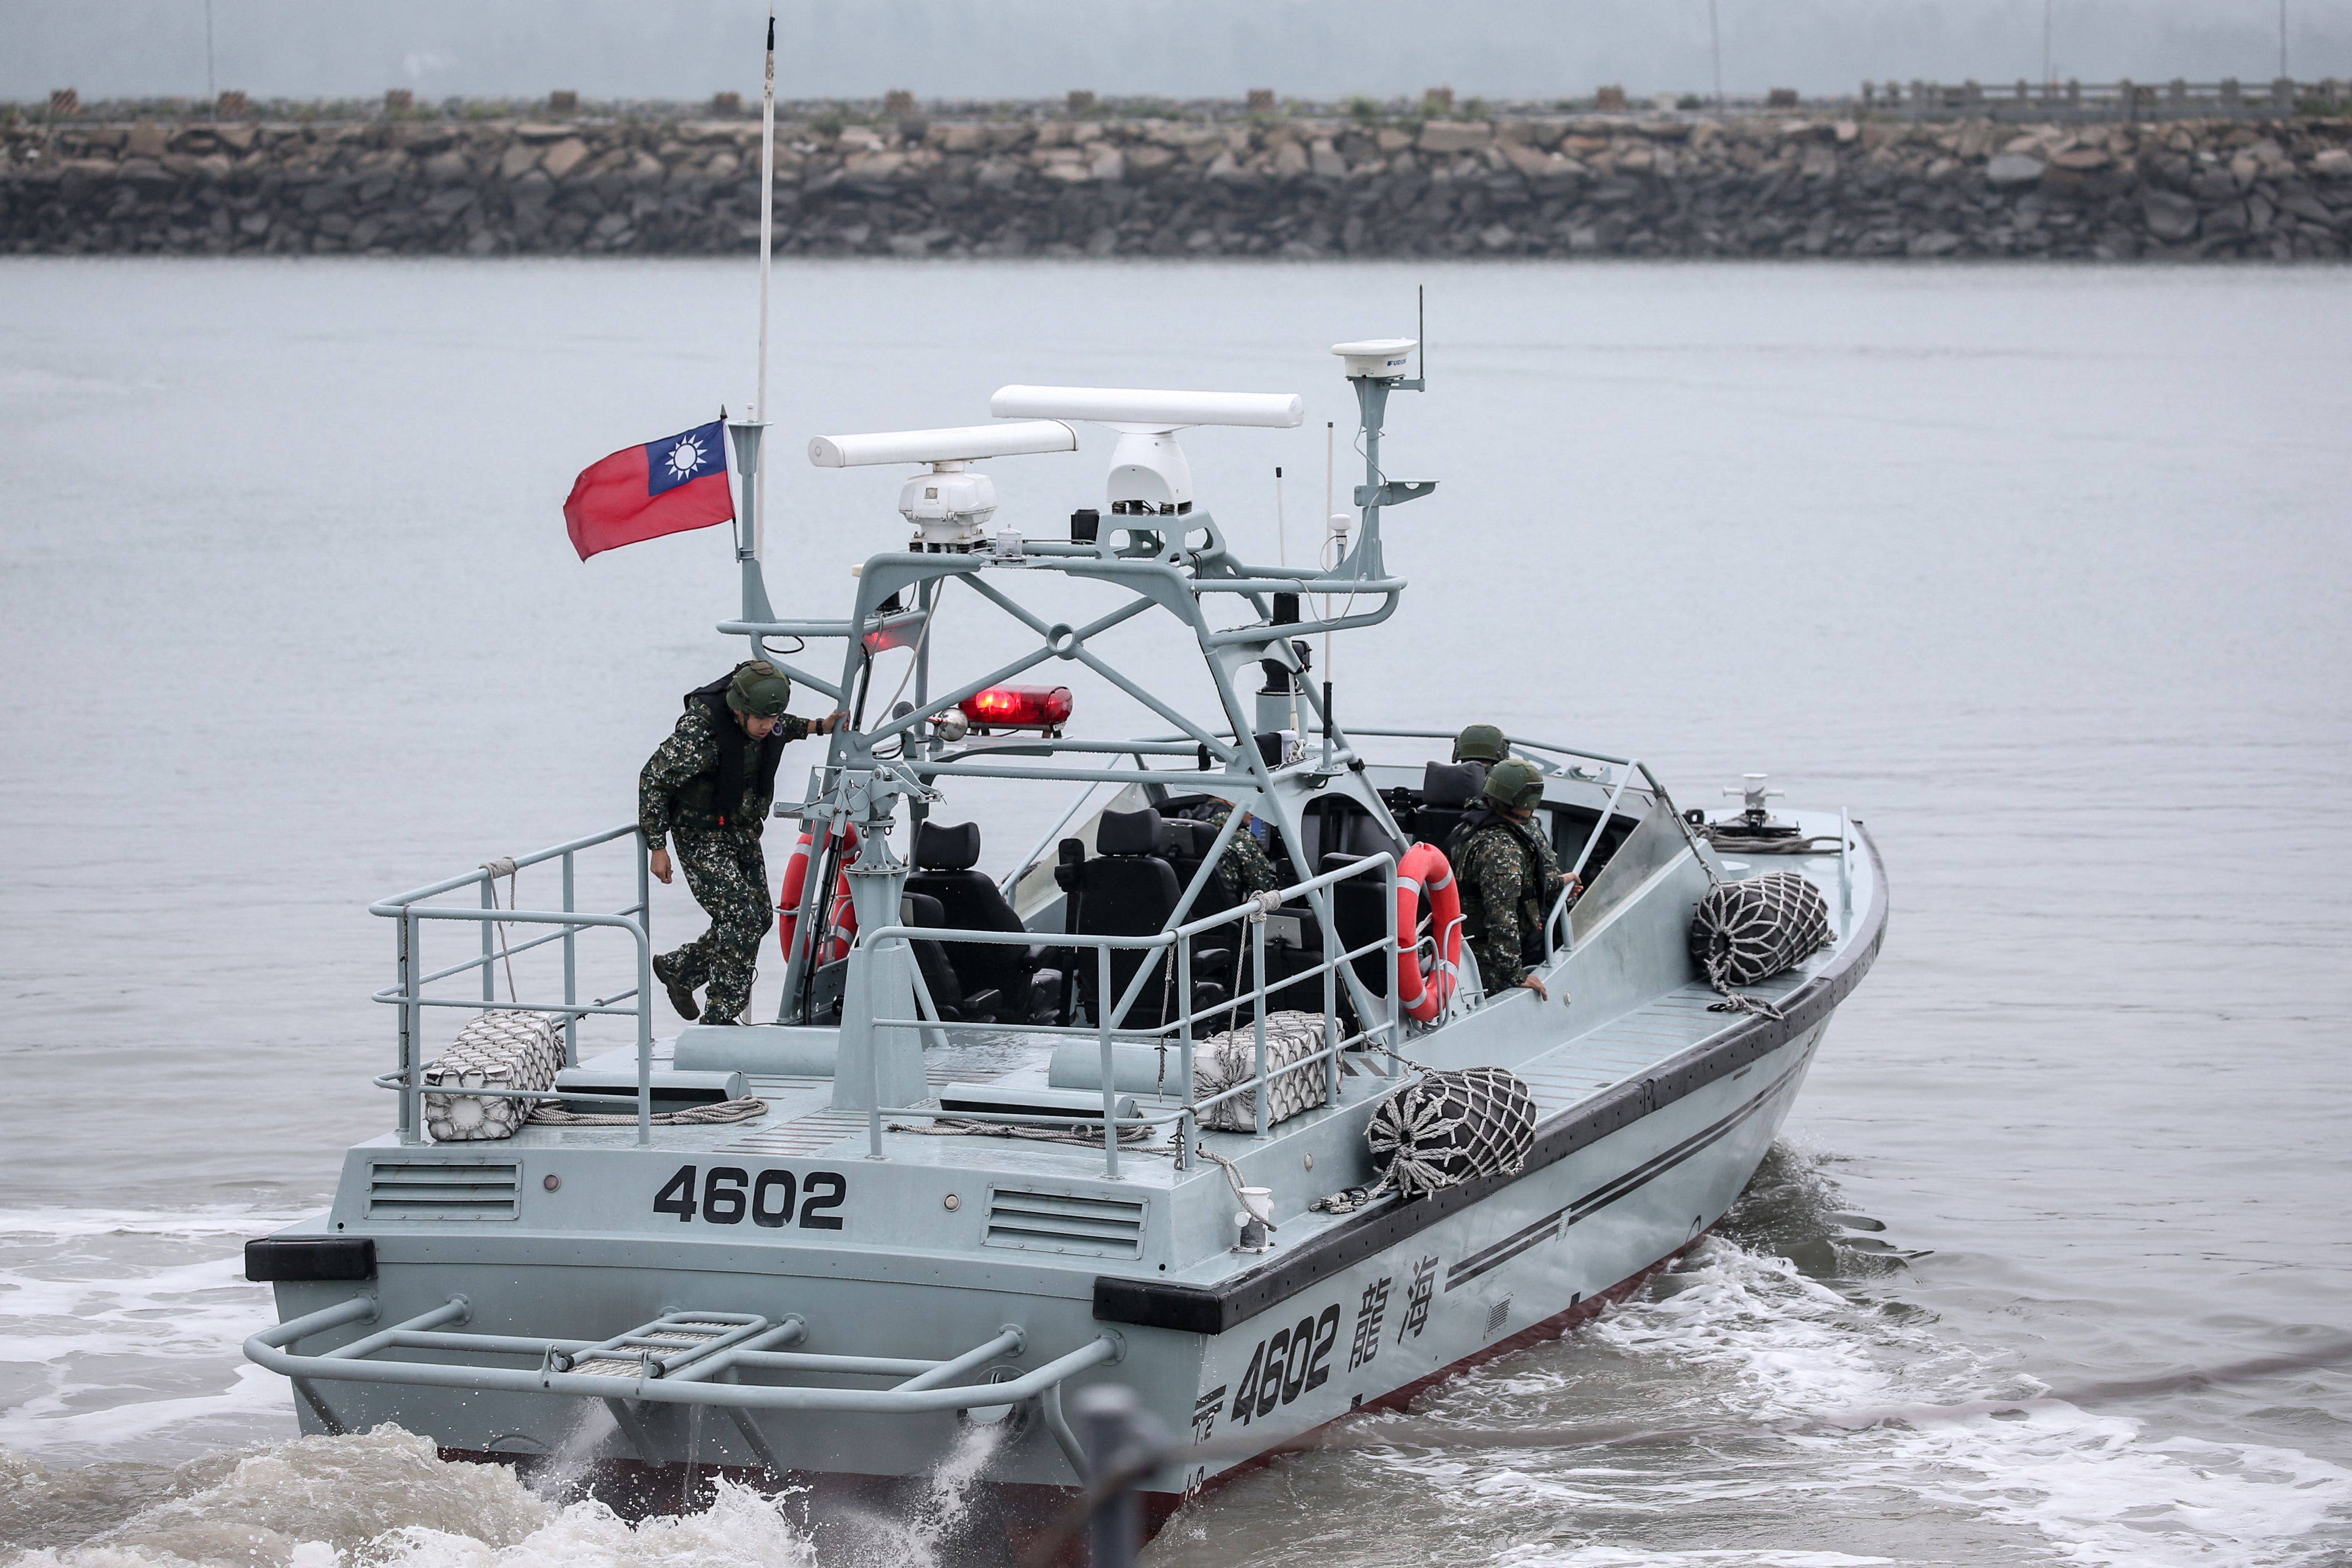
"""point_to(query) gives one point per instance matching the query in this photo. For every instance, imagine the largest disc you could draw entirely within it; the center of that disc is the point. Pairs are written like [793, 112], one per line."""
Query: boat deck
[800, 1122]
[1606, 1050]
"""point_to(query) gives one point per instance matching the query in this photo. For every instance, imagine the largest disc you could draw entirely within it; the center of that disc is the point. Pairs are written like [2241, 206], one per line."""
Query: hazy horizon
[688, 49]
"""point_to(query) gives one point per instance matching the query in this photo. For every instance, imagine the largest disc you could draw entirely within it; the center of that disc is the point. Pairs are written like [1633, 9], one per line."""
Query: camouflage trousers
[729, 877]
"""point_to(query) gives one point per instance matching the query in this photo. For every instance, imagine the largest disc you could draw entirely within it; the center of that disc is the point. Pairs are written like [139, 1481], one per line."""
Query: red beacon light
[1042, 708]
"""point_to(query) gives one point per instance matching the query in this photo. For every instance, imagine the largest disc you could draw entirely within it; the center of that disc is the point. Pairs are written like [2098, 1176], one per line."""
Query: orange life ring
[1425, 871]
[841, 916]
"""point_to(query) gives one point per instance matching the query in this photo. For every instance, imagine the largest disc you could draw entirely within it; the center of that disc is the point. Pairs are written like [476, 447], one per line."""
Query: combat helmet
[1513, 782]
[759, 689]
[1481, 743]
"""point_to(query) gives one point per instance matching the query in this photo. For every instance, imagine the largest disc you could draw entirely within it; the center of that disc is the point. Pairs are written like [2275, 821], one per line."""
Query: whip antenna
[1281, 532]
[750, 517]
[767, 246]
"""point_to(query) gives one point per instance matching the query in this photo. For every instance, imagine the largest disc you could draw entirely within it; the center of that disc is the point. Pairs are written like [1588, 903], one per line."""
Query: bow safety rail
[691, 1358]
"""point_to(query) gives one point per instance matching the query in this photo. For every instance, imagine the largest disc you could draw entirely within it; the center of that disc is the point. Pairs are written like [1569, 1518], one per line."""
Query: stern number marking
[729, 1194]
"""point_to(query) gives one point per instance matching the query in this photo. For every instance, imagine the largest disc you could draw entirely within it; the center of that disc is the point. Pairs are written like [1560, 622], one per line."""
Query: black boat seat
[1448, 793]
[1340, 827]
[955, 1003]
[945, 856]
[1127, 888]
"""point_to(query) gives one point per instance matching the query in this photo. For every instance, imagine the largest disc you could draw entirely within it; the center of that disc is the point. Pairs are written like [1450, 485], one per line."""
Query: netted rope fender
[1752, 929]
[1444, 1129]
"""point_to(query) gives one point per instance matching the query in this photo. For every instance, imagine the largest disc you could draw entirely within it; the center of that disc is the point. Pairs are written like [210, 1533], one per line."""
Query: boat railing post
[1601, 825]
[1109, 1085]
[1257, 963]
[645, 885]
[864, 972]
[1845, 868]
[570, 966]
[1187, 1122]
[644, 1035]
[492, 936]
[1330, 1010]
[1396, 1003]
[412, 1017]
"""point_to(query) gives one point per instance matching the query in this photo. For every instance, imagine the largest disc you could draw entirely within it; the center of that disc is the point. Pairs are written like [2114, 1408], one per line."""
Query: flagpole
[749, 541]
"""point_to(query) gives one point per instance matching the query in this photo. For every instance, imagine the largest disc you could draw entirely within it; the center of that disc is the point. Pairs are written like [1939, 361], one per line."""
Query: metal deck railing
[1381, 1019]
[412, 911]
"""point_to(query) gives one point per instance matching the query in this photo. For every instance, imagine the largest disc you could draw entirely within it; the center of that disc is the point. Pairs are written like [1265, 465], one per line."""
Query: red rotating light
[1045, 708]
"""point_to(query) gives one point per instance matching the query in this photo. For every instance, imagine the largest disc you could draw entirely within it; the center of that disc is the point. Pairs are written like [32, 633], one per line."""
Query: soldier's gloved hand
[658, 863]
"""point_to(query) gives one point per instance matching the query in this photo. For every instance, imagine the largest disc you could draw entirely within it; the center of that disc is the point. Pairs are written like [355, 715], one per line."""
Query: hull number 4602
[729, 1194]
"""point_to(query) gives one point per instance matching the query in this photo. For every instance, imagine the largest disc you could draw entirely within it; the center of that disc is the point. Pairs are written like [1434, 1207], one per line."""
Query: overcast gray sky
[990, 48]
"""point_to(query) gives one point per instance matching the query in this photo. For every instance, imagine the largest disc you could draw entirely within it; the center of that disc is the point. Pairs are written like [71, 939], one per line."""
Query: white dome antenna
[948, 505]
[1149, 474]
[1377, 358]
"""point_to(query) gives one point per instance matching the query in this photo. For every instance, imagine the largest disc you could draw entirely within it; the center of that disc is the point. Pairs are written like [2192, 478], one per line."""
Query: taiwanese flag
[665, 486]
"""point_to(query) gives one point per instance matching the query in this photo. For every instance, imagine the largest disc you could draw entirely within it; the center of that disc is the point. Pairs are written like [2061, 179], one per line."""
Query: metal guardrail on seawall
[2179, 98]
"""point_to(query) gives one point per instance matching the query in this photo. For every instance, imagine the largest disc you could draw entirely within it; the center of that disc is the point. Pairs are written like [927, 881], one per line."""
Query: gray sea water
[2041, 572]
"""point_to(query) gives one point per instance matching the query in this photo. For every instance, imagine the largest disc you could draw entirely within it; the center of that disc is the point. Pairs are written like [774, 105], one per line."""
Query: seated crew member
[709, 786]
[1244, 868]
[1482, 744]
[1509, 879]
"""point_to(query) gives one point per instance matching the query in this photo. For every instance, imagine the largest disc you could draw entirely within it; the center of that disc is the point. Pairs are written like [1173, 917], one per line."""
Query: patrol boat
[1089, 1115]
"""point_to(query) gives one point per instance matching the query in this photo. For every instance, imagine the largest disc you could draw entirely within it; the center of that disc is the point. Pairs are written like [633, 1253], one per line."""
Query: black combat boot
[681, 995]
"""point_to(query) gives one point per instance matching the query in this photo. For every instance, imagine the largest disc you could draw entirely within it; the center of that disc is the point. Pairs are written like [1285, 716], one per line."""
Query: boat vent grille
[443, 1189]
[1061, 1222]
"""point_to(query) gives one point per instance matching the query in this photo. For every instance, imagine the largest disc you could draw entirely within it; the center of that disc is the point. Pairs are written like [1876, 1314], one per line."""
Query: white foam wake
[121, 1330]
[383, 1499]
[1748, 1340]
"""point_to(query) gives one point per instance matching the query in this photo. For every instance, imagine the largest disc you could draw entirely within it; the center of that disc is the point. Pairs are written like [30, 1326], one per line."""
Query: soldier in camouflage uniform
[709, 786]
[1244, 868]
[1483, 743]
[1509, 879]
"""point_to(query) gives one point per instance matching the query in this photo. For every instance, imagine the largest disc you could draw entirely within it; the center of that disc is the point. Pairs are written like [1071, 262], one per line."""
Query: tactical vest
[1476, 918]
[740, 777]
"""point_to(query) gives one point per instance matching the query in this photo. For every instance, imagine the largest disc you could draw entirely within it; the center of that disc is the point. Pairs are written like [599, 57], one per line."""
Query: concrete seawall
[1037, 184]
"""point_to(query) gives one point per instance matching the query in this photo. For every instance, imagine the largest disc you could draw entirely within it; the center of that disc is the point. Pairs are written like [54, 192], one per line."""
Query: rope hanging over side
[504, 867]
[1752, 929]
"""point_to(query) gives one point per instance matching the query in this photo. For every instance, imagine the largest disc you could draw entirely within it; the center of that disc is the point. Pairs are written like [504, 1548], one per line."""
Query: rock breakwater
[1052, 184]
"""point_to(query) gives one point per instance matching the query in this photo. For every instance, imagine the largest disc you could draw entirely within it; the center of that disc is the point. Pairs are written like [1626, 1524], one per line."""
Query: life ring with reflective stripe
[841, 915]
[1425, 872]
